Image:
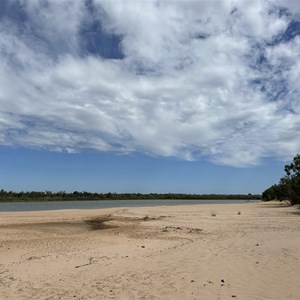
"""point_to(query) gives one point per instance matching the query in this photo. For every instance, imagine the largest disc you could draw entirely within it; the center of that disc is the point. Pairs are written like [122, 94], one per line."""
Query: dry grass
[213, 213]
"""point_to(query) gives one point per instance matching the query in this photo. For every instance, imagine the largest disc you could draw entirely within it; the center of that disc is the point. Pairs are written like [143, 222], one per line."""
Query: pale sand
[178, 252]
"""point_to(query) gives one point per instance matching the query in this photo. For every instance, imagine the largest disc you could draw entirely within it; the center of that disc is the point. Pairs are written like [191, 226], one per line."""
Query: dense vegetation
[63, 196]
[288, 187]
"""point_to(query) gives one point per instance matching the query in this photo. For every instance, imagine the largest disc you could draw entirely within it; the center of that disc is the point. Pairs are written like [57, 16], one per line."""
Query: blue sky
[148, 96]
[24, 169]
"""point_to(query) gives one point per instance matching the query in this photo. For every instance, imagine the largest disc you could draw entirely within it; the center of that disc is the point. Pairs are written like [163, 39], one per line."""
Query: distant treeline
[63, 196]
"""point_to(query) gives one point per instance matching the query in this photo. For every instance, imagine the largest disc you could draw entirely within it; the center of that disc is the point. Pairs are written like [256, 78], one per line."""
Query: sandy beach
[247, 251]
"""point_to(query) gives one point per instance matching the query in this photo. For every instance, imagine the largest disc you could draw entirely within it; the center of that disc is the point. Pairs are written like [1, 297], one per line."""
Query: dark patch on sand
[63, 227]
[99, 223]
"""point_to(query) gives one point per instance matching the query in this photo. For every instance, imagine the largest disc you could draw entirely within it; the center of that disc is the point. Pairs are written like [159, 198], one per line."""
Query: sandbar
[212, 251]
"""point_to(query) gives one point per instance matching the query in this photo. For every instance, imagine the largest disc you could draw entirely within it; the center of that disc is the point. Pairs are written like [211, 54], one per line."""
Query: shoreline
[78, 213]
[95, 204]
[247, 250]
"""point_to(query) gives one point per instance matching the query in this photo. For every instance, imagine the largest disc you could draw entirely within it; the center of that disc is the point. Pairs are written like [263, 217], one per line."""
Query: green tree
[288, 187]
[292, 180]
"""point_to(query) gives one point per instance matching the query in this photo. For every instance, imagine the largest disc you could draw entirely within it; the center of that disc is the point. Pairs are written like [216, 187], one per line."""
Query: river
[58, 205]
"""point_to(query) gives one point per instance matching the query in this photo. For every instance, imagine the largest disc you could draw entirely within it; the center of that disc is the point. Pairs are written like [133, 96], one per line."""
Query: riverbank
[94, 204]
[246, 251]
[48, 196]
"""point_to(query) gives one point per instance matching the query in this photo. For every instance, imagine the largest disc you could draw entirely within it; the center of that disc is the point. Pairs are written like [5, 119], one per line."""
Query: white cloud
[189, 84]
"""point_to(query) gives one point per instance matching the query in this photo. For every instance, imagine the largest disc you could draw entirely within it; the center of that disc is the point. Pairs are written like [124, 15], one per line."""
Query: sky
[148, 95]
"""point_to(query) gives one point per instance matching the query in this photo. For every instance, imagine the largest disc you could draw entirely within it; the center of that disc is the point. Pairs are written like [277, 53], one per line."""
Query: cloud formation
[215, 80]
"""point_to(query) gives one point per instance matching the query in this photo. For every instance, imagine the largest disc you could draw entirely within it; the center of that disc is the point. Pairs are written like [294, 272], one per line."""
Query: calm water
[36, 206]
